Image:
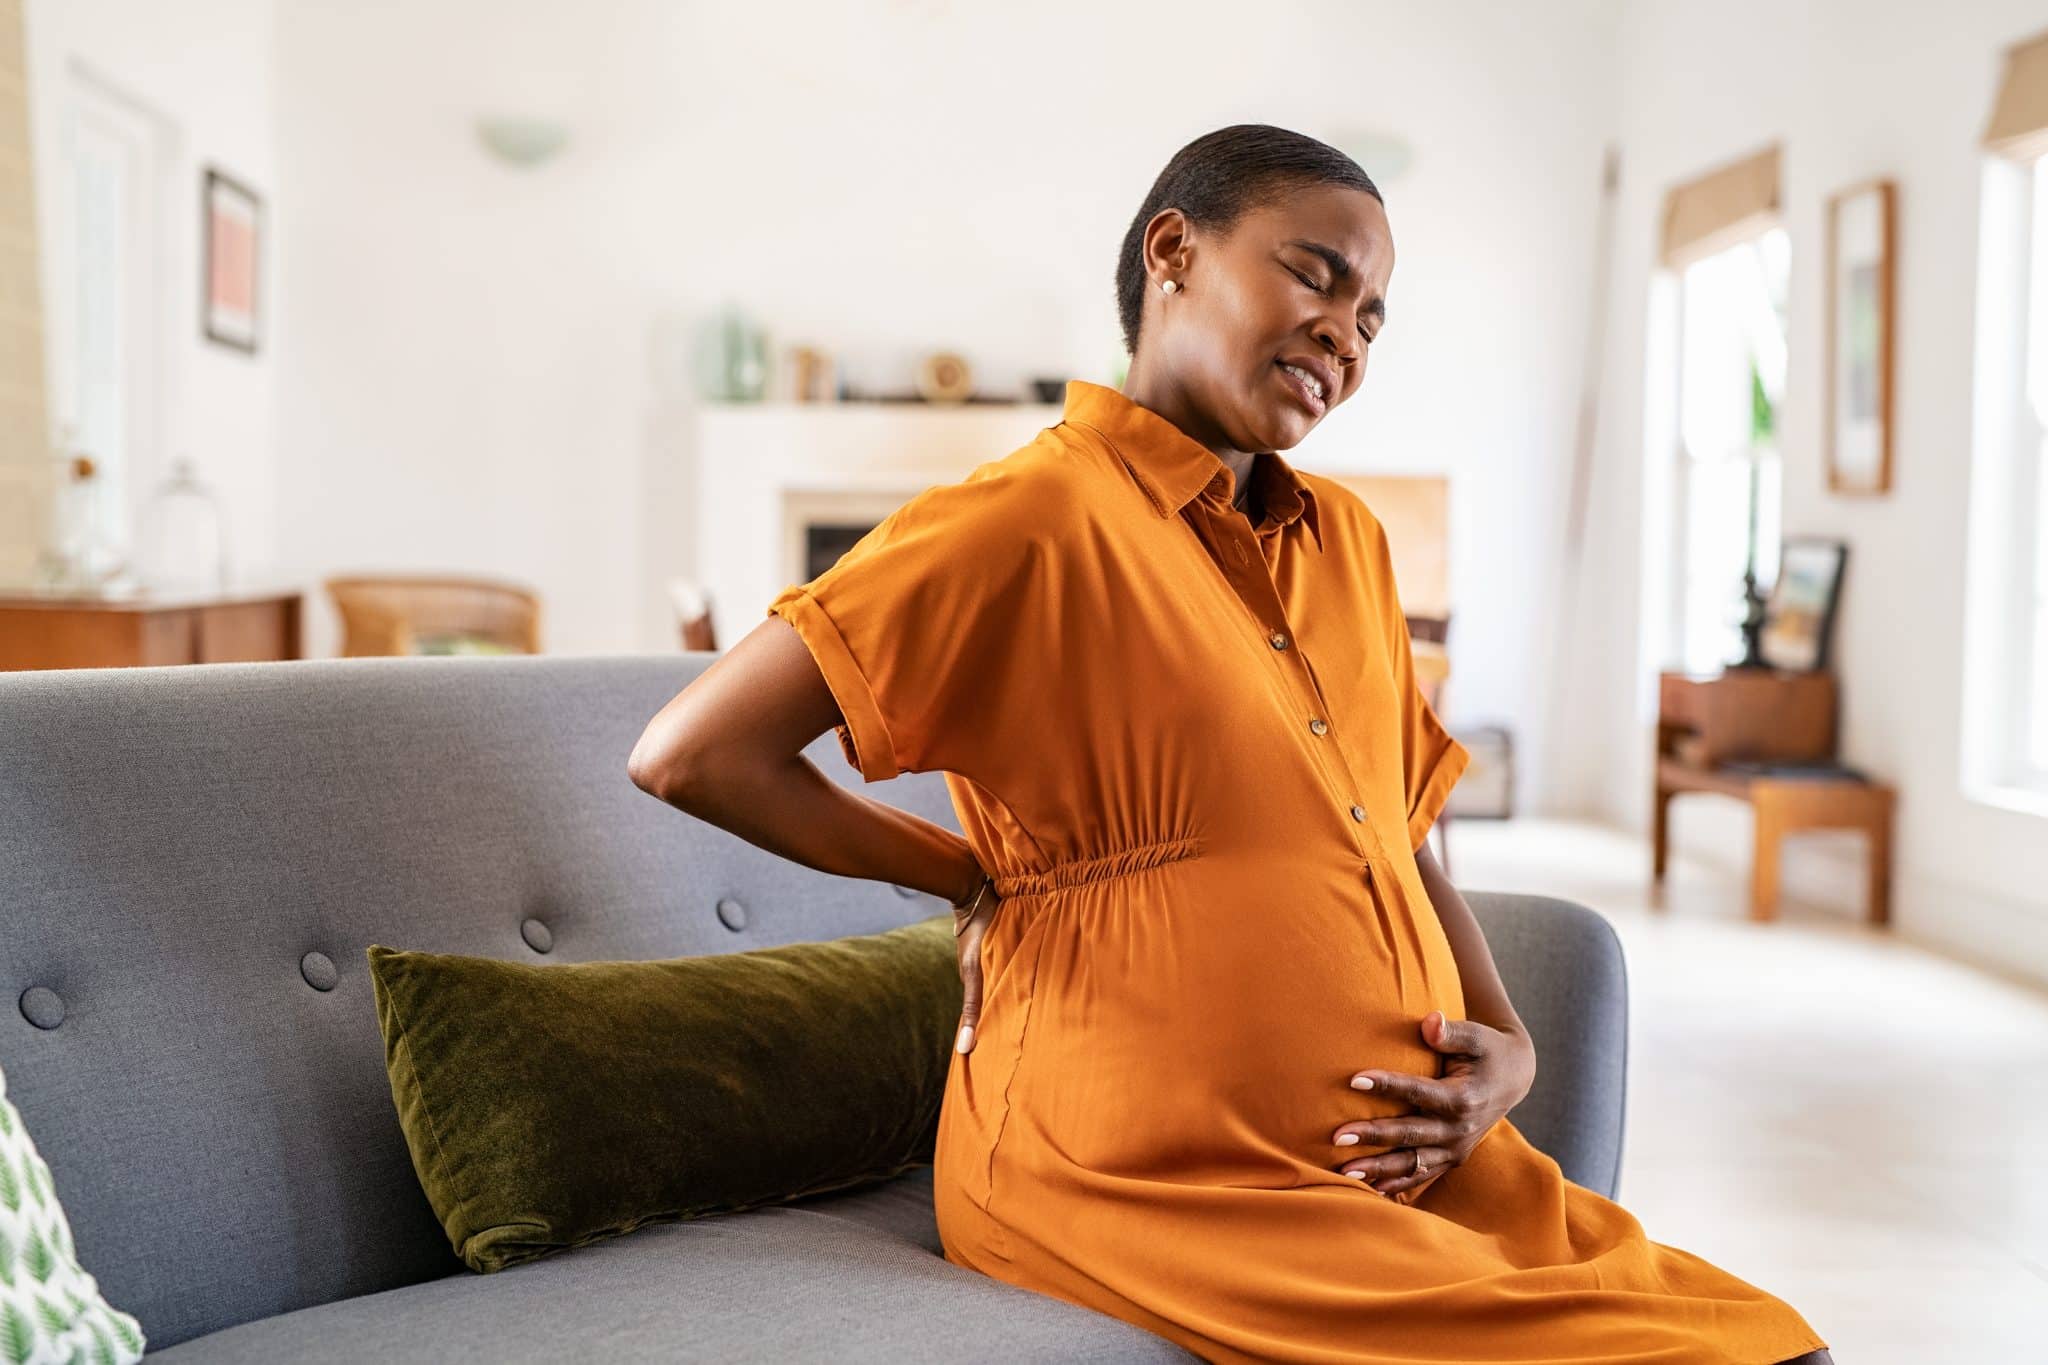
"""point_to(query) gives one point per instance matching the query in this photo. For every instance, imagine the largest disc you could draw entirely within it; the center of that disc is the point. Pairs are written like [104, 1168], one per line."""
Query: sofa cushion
[549, 1106]
[847, 1277]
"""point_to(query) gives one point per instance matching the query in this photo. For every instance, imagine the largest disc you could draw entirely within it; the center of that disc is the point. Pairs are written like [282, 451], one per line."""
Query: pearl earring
[1171, 286]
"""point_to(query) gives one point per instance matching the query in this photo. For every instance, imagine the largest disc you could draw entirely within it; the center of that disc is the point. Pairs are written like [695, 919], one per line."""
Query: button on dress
[1193, 755]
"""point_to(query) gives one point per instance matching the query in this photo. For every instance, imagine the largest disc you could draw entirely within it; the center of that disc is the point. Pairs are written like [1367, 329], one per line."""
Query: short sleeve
[1432, 761]
[923, 626]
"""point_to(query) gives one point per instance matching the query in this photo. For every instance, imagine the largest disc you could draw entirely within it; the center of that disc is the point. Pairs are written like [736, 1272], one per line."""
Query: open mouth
[1302, 387]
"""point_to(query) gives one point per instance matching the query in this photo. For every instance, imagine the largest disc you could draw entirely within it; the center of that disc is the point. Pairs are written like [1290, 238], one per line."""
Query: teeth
[1314, 386]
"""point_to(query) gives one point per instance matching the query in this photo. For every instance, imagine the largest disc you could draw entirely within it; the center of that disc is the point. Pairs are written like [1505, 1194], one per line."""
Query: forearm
[796, 812]
[1486, 999]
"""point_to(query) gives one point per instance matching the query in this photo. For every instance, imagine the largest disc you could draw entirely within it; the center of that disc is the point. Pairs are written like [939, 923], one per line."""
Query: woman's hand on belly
[1487, 1071]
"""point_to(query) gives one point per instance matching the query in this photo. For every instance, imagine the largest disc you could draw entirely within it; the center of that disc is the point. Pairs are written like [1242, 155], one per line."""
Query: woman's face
[1301, 282]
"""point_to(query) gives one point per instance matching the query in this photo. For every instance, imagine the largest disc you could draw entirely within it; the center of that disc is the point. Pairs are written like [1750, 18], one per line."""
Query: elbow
[658, 768]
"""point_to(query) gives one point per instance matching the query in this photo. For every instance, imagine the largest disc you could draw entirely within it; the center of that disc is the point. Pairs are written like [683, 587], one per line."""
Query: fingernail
[964, 1038]
[1361, 1082]
[1355, 1175]
[1347, 1139]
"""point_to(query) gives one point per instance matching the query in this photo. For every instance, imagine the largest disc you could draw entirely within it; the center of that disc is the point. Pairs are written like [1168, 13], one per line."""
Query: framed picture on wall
[1799, 616]
[232, 222]
[1859, 338]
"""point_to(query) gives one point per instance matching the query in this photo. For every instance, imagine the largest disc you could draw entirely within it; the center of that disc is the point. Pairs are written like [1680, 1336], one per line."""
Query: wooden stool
[1787, 805]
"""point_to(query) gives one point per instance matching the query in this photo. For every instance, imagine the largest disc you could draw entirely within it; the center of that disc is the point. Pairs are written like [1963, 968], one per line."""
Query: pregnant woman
[1235, 1060]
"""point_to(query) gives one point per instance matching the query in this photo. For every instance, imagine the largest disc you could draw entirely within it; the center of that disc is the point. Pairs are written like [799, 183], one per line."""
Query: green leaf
[17, 1334]
[54, 1318]
[10, 1184]
[6, 1260]
[102, 1349]
[33, 1178]
[126, 1328]
[39, 1259]
[7, 1118]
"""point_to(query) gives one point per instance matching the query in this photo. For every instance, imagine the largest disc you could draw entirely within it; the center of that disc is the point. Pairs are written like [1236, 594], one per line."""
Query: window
[2005, 723]
[1730, 382]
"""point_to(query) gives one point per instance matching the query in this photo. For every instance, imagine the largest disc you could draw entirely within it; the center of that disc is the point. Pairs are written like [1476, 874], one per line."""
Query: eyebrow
[1341, 269]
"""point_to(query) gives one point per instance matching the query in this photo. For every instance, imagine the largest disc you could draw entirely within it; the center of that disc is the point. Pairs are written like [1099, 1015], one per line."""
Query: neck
[1170, 400]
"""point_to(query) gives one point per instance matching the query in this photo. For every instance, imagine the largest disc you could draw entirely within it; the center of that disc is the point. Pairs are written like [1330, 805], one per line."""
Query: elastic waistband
[1086, 871]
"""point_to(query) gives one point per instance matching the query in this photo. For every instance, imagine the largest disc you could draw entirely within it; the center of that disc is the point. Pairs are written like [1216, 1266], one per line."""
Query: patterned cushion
[51, 1312]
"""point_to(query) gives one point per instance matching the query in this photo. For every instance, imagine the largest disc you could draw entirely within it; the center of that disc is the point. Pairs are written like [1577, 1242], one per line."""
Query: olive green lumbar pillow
[552, 1106]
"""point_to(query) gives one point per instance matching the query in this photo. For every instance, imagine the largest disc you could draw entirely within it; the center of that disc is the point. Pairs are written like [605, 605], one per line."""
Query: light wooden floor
[1854, 1124]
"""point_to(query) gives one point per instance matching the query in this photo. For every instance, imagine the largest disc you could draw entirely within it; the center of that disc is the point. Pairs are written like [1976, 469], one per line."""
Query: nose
[1327, 335]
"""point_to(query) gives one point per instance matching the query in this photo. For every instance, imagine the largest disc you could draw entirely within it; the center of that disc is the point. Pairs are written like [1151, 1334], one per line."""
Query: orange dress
[1193, 755]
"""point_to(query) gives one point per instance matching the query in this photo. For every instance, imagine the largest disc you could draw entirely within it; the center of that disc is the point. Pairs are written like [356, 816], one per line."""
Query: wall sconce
[1384, 156]
[521, 141]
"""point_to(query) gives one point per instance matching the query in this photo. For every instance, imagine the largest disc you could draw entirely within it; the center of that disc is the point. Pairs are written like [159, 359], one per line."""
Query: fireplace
[783, 489]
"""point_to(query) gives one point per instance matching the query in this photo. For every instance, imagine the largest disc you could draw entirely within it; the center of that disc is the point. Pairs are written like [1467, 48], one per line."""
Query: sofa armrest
[1563, 967]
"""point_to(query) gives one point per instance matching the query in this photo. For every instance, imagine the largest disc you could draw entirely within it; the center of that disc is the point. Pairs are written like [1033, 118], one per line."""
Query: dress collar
[1172, 466]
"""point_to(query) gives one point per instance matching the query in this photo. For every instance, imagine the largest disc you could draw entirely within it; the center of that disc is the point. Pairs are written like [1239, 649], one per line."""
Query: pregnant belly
[1204, 1023]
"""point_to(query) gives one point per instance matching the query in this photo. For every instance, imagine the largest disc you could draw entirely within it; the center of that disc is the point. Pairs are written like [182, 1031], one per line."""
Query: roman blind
[1714, 211]
[2019, 116]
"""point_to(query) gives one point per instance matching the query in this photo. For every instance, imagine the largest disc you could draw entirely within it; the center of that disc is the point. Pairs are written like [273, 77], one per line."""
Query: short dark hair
[1215, 180]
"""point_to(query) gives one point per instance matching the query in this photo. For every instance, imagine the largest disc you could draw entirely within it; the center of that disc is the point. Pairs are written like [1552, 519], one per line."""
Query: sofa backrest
[192, 861]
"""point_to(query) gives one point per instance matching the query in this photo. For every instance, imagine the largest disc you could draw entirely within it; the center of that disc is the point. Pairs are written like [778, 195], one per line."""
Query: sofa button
[318, 969]
[41, 1006]
[732, 914]
[538, 936]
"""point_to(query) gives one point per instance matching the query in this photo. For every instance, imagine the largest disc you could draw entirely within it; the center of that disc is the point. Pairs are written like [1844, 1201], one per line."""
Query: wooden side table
[49, 630]
[1773, 715]
[1787, 805]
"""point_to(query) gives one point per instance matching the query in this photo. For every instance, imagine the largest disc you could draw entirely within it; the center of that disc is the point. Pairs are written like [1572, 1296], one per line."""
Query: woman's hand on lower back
[970, 922]
[1487, 1071]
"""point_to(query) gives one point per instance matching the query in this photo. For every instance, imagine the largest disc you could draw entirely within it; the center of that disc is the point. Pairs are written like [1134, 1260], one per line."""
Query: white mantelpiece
[766, 470]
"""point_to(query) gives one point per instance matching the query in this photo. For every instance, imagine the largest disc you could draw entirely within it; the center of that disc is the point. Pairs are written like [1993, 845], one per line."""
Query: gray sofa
[194, 859]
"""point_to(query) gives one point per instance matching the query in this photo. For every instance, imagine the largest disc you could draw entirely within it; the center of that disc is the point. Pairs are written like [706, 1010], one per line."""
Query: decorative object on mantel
[810, 374]
[521, 140]
[732, 357]
[1859, 338]
[233, 222]
[945, 377]
[1800, 616]
[183, 536]
[1045, 390]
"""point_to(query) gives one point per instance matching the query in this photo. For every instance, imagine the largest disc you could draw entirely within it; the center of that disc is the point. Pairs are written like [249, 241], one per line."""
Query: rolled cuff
[1451, 758]
[864, 736]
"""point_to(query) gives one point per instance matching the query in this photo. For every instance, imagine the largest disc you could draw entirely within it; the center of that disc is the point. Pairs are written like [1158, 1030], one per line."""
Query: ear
[1167, 238]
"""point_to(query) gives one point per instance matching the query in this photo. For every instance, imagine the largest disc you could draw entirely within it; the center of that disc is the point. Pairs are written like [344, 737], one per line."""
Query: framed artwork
[1799, 616]
[232, 222]
[1859, 338]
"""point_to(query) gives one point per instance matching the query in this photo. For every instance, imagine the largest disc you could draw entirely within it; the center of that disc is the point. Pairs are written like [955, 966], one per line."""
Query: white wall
[203, 68]
[1852, 89]
[483, 370]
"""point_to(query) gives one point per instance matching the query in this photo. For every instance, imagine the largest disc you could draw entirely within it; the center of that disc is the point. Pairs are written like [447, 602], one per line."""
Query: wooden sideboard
[47, 630]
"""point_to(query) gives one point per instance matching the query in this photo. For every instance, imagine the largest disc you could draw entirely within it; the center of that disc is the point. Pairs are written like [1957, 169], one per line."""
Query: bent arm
[728, 749]
[1486, 999]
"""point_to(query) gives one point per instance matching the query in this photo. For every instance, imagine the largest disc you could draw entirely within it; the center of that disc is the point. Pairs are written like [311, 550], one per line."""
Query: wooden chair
[404, 614]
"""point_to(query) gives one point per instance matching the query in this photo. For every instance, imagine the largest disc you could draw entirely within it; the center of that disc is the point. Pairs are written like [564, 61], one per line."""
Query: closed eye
[1325, 293]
